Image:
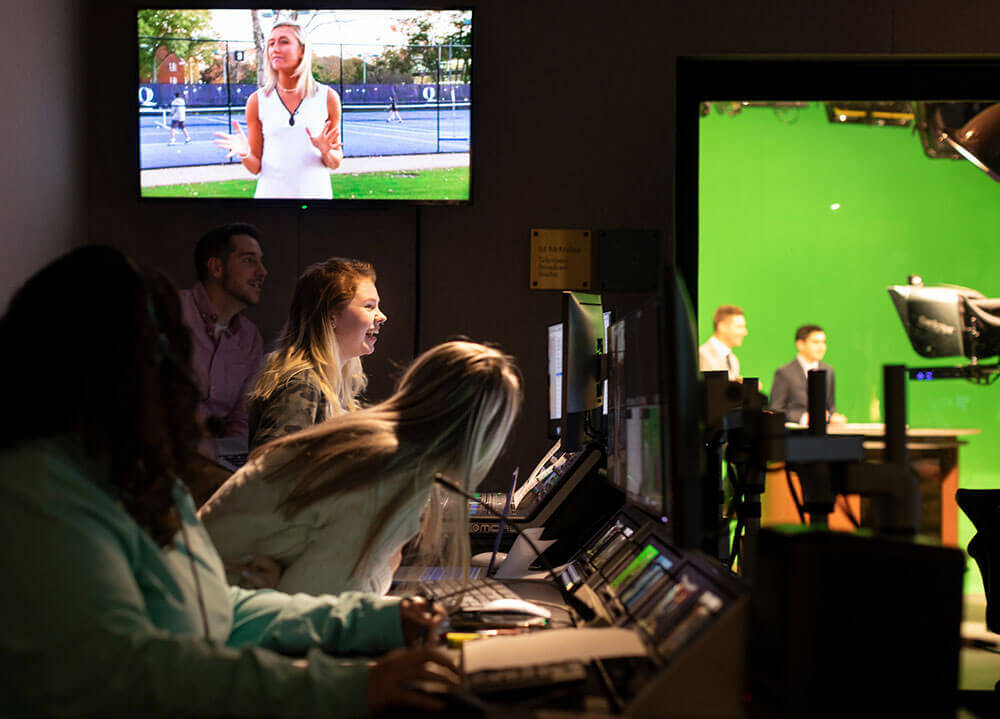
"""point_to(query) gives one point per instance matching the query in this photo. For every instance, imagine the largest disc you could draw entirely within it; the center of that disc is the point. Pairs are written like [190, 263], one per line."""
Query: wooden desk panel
[934, 457]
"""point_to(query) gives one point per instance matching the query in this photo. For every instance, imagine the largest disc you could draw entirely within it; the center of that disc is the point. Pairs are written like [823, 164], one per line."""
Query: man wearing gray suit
[789, 391]
[730, 327]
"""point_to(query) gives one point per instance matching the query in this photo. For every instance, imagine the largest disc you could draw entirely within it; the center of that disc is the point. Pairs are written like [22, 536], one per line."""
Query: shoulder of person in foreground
[86, 635]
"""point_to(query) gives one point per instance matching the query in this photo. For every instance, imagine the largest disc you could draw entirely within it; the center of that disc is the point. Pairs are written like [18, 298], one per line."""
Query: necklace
[291, 89]
[291, 113]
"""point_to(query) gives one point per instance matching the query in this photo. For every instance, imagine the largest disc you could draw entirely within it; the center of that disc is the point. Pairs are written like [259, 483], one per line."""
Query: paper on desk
[550, 646]
[521, 555]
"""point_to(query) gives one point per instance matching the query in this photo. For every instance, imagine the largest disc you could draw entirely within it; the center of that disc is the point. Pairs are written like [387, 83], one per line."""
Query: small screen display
[684, 631]
[555, 371]
[622, 526]
[664, 613]
[632, 570]
[609, 550]
[647, 583]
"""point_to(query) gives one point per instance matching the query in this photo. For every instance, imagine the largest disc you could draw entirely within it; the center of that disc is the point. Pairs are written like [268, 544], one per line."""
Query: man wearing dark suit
[789, 391]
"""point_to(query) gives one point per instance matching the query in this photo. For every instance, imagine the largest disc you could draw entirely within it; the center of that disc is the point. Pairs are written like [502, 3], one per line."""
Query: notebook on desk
[473, 603]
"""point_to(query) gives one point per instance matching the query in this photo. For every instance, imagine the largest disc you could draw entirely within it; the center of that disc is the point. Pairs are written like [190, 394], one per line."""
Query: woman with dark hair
[315, 371]
[115, 597]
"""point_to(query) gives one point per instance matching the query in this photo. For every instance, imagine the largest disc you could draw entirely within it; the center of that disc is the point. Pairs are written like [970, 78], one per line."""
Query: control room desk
[934, 456]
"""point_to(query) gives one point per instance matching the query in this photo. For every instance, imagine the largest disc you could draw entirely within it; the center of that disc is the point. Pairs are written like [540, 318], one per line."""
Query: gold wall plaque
[560, 260]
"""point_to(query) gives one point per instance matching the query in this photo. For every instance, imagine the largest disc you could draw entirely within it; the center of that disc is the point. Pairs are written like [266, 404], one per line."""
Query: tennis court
[365, 132]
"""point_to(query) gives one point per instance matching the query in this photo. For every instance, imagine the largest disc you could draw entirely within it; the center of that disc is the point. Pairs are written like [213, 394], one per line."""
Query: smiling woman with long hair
[293, 123]
[315, 371]
[334, 504]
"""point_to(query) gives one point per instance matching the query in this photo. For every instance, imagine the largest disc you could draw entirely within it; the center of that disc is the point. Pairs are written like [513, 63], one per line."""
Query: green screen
[804, 221]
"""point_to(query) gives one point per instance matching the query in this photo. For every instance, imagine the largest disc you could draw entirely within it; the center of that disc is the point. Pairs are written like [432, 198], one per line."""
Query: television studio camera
[952, 321]
[949, 321]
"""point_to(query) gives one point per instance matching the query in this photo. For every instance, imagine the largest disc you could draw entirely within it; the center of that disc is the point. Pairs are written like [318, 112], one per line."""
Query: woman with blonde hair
[293, 123]
[315, 373]
[333, 505]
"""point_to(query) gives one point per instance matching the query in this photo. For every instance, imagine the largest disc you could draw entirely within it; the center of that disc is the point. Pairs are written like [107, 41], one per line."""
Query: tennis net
[221, 117]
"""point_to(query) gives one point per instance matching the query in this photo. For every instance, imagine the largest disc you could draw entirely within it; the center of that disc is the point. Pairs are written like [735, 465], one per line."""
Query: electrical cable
[734, 551]
[739, 503]
[593, 432]
[846, 509]
[795, 496]
[617, 706]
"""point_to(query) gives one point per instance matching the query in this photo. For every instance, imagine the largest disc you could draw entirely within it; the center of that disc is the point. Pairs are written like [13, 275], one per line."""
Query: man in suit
[789, 391]
[730, 327]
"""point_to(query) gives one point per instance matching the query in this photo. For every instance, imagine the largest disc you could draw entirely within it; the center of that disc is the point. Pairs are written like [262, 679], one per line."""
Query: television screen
[296, 105]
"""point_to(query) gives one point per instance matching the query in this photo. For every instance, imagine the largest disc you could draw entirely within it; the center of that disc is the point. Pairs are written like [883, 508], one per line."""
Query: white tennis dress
[291, 165]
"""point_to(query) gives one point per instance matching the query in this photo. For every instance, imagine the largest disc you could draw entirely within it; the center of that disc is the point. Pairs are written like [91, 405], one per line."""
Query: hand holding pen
[421, 620]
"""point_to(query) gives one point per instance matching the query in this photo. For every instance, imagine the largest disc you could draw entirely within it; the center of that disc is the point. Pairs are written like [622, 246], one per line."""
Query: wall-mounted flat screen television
[305, 105]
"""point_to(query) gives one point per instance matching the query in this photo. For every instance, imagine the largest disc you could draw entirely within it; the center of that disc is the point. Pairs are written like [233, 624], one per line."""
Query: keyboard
[531, 676]
[497, 501]
[458, 596]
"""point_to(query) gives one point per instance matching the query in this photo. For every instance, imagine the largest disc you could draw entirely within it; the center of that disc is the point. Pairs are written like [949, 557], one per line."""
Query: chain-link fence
[396, 100]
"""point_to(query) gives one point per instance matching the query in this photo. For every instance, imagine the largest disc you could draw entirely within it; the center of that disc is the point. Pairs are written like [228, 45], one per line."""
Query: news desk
[934, 456]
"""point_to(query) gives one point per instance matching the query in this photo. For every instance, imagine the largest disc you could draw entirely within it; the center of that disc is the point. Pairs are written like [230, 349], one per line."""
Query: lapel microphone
[578, 605]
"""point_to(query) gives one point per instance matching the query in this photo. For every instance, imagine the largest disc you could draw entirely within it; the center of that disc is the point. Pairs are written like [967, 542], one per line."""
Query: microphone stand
[581, 608]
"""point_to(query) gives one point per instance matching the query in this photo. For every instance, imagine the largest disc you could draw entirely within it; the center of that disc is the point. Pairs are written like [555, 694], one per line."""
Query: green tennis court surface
[451, 183]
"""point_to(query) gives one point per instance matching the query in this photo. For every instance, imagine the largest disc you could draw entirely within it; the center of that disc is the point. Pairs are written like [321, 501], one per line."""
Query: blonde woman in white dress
[292, 140]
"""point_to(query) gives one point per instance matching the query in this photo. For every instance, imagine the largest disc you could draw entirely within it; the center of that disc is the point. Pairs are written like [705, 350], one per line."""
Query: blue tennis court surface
[364, 132]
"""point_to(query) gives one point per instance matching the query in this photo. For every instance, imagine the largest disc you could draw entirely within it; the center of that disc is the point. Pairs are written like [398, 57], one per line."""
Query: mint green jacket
[100, 621]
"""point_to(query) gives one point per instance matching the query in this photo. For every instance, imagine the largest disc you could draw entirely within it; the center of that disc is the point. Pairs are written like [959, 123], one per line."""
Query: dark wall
[574, 128]
[41, 203]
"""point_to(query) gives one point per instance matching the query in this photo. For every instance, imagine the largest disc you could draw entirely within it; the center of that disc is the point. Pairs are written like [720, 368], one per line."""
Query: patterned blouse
[297, 404]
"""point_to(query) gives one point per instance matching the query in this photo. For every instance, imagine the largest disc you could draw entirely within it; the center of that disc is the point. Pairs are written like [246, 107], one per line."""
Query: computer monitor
[555, 375]
[690, 503]
[654, 444]
[634, 444]
[582, 389]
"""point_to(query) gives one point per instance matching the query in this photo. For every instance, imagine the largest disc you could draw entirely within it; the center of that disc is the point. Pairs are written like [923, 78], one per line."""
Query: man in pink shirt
[227, 346]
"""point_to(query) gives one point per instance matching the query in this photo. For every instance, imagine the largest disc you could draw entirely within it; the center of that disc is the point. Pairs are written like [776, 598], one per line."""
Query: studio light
[979, 141]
